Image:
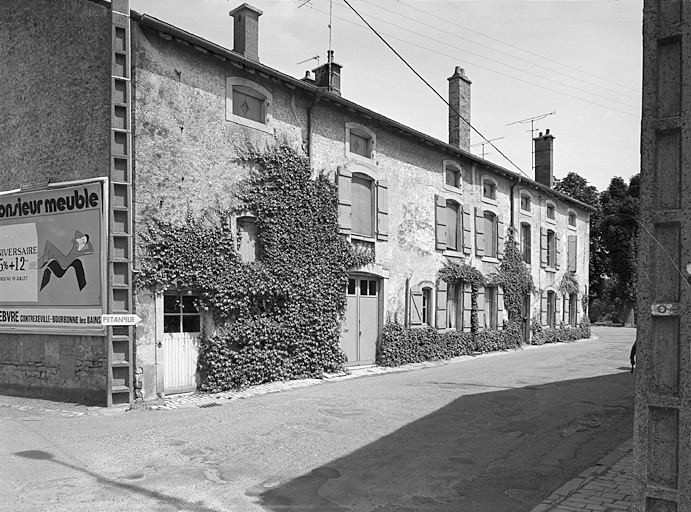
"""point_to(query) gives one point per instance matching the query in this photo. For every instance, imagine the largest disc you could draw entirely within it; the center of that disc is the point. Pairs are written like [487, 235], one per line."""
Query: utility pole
[532, 120]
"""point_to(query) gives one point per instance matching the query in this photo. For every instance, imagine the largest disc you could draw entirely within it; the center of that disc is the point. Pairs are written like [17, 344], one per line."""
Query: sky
[573, 65]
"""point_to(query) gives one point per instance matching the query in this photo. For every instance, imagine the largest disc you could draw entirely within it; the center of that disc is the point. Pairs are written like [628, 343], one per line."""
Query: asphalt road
[495, 433]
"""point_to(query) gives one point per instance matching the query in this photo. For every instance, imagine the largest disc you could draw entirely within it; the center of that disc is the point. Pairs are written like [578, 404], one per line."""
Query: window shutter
[500, 307]
[479, 232]
[442, 291]
[557, 308]
[481, 321]
[382, 210]
[557, 244]
[344, 200]
[500, 238]
[543, 309]
[543, 247]
[467, 231]
[440, 212]
[467, 306]
[572, 253]
[415, 307]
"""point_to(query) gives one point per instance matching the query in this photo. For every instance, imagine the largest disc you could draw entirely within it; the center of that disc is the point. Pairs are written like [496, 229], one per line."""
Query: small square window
[452, 176]
[351, 286]
[572, 219]
[249, 104]
[551, 212]
[360, 145]
[489, 189]
[525, 203]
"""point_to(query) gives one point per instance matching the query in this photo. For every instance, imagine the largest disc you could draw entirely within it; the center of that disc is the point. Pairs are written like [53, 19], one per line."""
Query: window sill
[550, 269]
[489, 259]
[572, 228]
[359, 158]
[488, 200]
[451, 253]
[362, 238]
[527, 213]
[550, 221]
[451, 188]
[264, 127]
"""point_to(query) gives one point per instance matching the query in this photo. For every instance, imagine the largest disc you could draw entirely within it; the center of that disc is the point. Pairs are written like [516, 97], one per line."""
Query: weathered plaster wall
[54, 125]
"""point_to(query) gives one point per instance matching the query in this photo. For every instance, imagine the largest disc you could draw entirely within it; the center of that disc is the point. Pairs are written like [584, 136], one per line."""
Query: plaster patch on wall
[416, 231]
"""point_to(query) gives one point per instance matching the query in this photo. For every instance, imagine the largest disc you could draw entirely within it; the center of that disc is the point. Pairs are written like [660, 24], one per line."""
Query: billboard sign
[53, 253]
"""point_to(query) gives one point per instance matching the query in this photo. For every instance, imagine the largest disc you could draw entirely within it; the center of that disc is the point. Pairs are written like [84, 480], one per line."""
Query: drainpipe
[310, 109]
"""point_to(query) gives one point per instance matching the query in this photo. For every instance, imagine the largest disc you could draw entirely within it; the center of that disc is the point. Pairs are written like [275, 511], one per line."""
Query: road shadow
[496, 451]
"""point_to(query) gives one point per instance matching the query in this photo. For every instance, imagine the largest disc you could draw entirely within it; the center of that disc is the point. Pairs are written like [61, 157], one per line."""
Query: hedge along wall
[276, 318]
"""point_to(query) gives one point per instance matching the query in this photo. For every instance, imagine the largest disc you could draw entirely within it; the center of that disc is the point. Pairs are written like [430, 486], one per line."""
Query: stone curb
[203, 400]
[566, 491]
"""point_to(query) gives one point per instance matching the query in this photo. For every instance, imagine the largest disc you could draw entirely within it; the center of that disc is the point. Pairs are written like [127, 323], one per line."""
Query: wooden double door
[361, 329]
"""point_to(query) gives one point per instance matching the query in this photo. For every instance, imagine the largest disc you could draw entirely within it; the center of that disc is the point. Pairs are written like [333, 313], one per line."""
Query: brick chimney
[329, 75]
[459, 109]
[246, 31]
[544, 165]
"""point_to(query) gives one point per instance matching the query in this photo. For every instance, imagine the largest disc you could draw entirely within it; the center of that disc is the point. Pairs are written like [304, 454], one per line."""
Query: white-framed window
[248, 103]
[551, 249]
[526, 202]
[573, 309]
[454, 226]
[181, 313]
[572, 218]
[572, 253]
[454, 307]
[526, 242]
[427, 311]
[360, 142]
[491, 234]
[489, 190]
[363, 205]
[247, 241]
[551, 212]
[453, 176]
[551, 308]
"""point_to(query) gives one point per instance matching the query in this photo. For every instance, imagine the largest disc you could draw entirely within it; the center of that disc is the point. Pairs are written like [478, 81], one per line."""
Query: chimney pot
[329, 75]
[544, 158]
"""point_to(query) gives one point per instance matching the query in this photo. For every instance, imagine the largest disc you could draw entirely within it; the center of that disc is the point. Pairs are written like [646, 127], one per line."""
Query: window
[551, 249]
[454, 307]
[490, 235]
[551, 308]
[572, 253]
[181, 313]
[551, 211]
[489, 189]
[573, 309]
[362, 196]
[526, 242]
[359, 141]
[454, 225]
[248, 243]
[249, 104]
[427, 306]
[452, 176]
[572, 219]
[525, 202]
[491, 311]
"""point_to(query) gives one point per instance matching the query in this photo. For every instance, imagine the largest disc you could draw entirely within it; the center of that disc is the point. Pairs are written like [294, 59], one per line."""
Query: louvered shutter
[481, 307]
[479, 232]
[467, 306]
[543, 309]
[567, 310]
[543, 247]
[344, 200]
[500, 238]
[440, 226]
[442, 292]
[500, 307]
[382, 210]
[572, 253]
[557, 244]
[467, 231]
[557, 309]
[415, 307]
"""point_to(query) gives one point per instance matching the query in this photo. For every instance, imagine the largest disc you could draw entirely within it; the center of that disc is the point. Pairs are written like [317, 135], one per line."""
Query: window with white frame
[573, 309]
[489, 189]
[491, 307]
[454, 307]
[360, 141]
[248, 103]
[452, 176]
[526, 202]
[454, 226]
[427, 313]
[248, 242]
[551, 249]
[551, 308]
[551, 211]
[181, 313]
[491, 234]
[572, 219]
[362, 196]
[526, 242]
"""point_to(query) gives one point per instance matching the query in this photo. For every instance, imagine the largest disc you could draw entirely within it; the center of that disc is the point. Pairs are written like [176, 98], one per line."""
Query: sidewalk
[605, 487]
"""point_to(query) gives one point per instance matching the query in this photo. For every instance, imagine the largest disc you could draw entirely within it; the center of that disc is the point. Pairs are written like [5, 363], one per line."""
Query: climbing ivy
[458, 273]
[569, 284]
[279, 317]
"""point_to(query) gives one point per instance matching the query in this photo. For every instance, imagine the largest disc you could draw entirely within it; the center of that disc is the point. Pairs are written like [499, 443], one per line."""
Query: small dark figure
[633, 355]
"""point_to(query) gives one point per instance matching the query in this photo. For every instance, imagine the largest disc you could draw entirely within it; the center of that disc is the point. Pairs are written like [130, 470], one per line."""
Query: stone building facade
[173, 118]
